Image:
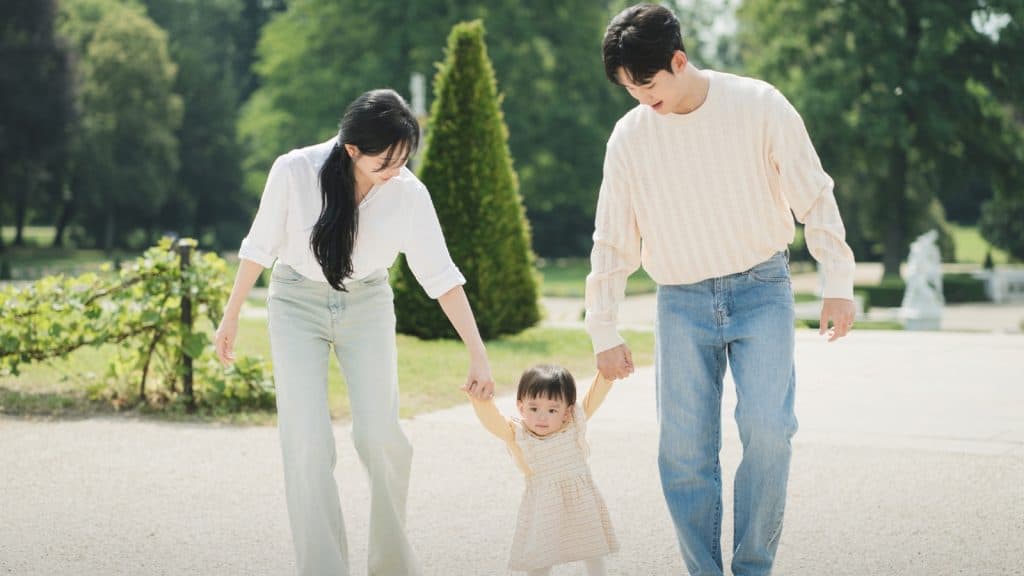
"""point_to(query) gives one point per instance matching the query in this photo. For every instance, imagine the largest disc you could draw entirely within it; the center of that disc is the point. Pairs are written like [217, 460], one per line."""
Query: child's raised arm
[596, 394]
[492, 419]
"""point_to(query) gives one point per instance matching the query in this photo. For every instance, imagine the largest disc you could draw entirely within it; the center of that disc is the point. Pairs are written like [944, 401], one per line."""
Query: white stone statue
[923, 300]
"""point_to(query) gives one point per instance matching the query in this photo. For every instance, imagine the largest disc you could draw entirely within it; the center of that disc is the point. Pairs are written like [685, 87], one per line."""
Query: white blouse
[397, 216]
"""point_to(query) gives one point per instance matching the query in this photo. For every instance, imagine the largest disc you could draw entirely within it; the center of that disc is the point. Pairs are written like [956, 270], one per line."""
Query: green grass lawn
[430, 372]
[971, 247]
[34, 235]
[57, 387]
[37, 258]
[33, 263]
[566, 278]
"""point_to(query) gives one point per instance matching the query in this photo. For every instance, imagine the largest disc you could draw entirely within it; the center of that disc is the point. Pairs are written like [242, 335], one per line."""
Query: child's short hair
[547, 380]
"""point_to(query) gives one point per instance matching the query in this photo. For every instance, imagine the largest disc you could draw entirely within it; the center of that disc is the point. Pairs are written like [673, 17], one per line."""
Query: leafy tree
[1002, 217]
[76, 23]
[902, 98]
[208, 196]
[255, 14]
[468, 169]
[35, 99]
[560, 110]
[1002, 223]
[126, 151]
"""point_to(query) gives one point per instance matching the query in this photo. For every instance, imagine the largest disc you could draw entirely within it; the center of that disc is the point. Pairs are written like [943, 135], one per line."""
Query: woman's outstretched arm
[224, 339]
[479, 382]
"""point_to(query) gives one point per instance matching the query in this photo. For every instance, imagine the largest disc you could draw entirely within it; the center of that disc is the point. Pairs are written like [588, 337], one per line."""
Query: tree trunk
[62, 199]
[66, 209]
[3, 194]
[20, 213]
[3, 247]
[108, 233]
[896, 223]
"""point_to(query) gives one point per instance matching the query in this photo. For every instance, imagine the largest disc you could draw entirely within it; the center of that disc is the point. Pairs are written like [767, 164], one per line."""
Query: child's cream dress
[562, 516]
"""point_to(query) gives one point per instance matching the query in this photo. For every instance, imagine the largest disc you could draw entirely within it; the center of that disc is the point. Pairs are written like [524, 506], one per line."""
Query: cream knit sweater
[710, 193]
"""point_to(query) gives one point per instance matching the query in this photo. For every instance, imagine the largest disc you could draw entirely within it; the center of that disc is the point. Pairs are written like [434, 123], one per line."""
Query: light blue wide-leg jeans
[745, 321]
[307, 318]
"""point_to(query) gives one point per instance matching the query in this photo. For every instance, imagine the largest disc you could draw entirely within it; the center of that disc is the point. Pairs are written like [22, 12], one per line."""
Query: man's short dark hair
[641, 40]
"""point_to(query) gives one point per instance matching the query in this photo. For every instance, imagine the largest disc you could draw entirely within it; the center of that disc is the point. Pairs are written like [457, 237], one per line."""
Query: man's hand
[840, 312]
[615, 363]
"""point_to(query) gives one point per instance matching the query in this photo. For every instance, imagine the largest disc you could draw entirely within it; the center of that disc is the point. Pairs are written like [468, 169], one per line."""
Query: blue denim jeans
[744, 320]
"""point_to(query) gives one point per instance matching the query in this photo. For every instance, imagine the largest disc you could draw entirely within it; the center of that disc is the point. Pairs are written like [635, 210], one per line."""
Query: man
[701, 182]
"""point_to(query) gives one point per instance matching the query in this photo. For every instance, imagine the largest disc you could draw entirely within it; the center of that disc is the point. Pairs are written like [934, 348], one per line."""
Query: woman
[334, 216]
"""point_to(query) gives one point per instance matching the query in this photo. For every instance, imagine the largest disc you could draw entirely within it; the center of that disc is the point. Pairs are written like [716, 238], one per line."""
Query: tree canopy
[904, 100]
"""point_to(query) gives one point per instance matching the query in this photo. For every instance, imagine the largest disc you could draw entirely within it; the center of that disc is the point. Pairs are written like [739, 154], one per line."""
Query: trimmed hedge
[468, 169]
[963, 288]
[956, 288]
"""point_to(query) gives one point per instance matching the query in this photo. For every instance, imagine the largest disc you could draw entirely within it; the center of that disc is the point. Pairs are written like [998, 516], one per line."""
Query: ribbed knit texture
[710, 193]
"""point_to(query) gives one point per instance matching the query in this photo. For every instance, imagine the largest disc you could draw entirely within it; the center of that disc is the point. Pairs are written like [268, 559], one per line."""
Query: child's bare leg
[540, 572]
[595, 566]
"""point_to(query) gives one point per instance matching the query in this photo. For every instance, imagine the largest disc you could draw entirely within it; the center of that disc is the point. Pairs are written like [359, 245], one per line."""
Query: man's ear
[679, 61]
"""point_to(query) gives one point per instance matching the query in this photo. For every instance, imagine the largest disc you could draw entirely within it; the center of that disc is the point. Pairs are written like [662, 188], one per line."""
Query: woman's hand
[224, 338]
[479, 383]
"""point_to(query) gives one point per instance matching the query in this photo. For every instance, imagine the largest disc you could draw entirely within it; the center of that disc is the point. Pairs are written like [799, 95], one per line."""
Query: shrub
[138, 308]
[887, 294]
[963, 288]
[468, 169]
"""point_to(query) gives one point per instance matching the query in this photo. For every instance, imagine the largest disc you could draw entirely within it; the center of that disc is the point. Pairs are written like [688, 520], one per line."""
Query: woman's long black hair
[377, 122]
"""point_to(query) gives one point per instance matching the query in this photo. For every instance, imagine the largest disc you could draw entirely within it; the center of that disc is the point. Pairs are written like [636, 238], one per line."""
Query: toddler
[562, 516]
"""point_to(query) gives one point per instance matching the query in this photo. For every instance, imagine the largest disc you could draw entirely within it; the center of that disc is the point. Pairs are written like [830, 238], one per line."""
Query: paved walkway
[909, 461]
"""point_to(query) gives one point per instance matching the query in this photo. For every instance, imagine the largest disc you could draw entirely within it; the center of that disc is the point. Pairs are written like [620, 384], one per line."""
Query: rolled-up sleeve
[809, 190]
[267, 233]
[425, 249]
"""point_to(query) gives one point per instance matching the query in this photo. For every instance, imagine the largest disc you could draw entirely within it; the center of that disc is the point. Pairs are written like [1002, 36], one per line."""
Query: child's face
[542, 416]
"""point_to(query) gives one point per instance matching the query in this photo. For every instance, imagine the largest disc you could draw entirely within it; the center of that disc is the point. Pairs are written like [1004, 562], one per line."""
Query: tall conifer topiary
[468, 169]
